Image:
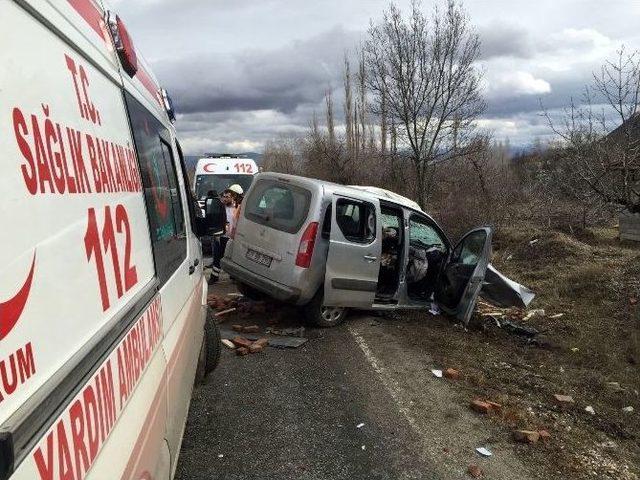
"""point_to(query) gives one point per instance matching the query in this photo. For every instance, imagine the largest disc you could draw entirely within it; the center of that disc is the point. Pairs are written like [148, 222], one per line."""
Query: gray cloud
[281, 79]
[503, 40]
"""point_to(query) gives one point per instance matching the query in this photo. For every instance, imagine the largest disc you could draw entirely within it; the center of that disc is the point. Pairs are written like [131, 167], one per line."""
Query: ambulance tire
[214, 345]
[320, 316]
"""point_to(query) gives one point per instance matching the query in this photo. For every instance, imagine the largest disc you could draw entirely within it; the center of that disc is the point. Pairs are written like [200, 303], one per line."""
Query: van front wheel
[321, 315]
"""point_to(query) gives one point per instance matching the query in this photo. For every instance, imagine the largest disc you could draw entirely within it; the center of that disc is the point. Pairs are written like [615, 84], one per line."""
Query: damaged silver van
[330, 248]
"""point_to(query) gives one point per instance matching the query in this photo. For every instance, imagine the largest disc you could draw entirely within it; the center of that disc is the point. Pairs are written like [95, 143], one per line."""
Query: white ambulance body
[218, 172]
[101, 287]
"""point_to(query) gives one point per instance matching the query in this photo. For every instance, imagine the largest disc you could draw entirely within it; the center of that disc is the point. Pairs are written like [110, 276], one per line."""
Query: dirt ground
[591, 352]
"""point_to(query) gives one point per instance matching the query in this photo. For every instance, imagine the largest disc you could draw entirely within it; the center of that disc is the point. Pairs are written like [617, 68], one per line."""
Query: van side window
[356, 220]
[161, 189]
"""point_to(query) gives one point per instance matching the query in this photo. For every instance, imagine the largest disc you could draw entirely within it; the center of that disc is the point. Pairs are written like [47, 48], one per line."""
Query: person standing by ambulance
[231, 198]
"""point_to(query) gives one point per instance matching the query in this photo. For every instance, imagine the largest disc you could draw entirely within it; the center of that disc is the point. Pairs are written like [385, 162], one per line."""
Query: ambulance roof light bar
[123, 44]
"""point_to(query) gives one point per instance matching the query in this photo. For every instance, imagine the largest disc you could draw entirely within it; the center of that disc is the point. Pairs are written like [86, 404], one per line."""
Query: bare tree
[425, 72]
[600, 136]
[348, 106]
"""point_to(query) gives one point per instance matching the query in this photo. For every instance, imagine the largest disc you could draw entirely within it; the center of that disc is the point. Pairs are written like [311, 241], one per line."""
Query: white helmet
[235, 188]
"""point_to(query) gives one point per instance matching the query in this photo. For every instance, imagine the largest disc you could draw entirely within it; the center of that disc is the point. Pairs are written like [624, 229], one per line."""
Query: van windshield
[219, 183]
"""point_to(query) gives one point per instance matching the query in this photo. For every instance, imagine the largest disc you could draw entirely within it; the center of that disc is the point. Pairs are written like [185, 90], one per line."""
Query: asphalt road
[294, 414]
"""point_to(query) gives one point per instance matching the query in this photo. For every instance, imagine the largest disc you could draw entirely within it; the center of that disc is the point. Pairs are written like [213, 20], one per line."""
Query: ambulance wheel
[213, 344]
[322, 316]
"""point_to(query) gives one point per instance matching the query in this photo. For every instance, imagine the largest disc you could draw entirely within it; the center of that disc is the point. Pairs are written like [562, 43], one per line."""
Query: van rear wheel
[321, 315]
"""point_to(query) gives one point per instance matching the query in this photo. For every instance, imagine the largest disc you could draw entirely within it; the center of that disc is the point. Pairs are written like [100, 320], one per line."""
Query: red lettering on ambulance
[76, 417]
[71, 66]
[65, 467]
[108, 396]
[45, 468]
[26, 363]
[122, 379]
[44, 174]
[91, 421]
[103, 433]
[9, 381]
[69, 179]
[55, 159]
[28, 169]
[75, 145]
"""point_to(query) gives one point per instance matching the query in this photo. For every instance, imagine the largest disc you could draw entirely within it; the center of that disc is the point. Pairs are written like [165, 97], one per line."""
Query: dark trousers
[218, 245]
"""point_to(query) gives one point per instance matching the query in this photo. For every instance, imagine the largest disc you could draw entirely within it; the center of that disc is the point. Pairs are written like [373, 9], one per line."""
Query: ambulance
[217, 172]
[103, 318]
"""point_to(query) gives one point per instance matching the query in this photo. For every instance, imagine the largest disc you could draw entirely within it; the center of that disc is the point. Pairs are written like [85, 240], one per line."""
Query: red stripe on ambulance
[87, 10]
[71, 445]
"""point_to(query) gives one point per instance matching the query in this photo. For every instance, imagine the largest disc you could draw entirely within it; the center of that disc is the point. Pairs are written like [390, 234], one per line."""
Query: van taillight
[123, 44]
[307, 243]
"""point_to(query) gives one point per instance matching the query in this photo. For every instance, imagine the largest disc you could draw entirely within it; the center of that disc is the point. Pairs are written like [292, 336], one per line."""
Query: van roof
[374, 192]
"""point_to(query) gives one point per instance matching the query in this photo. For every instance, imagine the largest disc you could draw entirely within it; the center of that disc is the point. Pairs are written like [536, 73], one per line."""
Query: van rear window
[278, 205]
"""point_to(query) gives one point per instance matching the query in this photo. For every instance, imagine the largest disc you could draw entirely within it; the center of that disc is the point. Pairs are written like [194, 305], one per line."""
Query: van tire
[320, 316]
[249, 292]
[213, 344]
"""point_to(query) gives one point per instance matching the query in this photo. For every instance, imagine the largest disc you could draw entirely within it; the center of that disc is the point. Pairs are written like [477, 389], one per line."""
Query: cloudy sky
[242, 72]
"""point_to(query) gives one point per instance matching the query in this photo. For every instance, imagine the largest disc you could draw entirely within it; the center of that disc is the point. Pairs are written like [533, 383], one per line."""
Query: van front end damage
[504, 292]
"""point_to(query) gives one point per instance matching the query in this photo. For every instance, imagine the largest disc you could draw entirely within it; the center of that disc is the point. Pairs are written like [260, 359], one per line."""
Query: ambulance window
[161, 190]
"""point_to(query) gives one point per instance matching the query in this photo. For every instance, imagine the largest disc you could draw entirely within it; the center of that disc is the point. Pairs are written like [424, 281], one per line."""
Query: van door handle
[370, 258]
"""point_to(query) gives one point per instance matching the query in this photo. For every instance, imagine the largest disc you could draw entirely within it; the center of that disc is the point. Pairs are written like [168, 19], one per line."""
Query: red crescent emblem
[206, 167]
[11, 310]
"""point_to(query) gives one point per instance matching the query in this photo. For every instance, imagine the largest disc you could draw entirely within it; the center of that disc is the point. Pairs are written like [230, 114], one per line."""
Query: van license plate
[260, 258]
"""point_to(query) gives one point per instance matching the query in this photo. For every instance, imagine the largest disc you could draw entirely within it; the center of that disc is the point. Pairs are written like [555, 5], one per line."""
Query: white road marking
[389, 383]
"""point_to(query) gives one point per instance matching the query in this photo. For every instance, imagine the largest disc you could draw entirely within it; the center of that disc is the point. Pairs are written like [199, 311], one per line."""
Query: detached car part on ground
[329, 247]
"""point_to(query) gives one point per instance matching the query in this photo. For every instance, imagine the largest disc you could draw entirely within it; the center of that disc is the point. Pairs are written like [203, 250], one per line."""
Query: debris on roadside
[242, 351]
[539, 312]
[589, 409]
[228, 343]
[480, 407]
[475, 471]
[614, 387]
[267, 339]
[526, 436]
[284, 332]
[224, 312]
[485, 406]
[628, 409]
[360, 425]
[437, 373]
[224, 305]
[241, 342]
[485, 452]
[544, 435]
[452, 374]
[563, 398]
